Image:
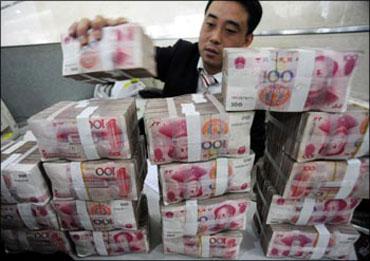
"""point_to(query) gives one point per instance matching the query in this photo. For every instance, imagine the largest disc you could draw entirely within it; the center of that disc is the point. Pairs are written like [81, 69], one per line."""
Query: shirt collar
[218, 76]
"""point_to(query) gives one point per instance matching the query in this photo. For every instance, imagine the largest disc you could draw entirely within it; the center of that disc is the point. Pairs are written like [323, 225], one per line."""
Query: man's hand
[81, 29]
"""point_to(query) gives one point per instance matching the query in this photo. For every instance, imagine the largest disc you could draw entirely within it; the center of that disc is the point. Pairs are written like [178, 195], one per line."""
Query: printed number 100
[274, 76]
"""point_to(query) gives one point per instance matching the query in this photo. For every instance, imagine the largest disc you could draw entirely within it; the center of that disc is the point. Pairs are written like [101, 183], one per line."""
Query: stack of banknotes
[208, 216]
[307, 242]
[201, 180]
[87, 130]
[28, 216]
[275, 209]
[98, 180]
[195, 127]
[94, 215]
[318, 179]
[22, 180]
[41, 241]
[123, 52]
[224, 245]
[287, 79]
[115, 242]
[320, 135]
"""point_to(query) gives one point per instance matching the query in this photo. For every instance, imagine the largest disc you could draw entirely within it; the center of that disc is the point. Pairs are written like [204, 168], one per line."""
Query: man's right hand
[81, 29]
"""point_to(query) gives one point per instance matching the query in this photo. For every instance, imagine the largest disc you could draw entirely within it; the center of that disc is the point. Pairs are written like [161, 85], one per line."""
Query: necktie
[207, 80]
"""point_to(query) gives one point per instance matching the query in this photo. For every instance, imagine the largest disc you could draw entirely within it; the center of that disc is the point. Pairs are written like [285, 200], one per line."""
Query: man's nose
[216, 36]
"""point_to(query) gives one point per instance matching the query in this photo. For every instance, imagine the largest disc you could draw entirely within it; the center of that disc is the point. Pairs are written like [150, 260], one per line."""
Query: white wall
[39, 22]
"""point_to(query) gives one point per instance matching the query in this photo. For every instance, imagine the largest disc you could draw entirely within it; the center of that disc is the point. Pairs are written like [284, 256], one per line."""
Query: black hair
[254, 10]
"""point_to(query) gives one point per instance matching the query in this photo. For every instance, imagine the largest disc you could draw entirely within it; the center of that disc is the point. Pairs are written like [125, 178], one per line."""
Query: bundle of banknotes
[319, 135]
[201, 180]
[307, 242]
[123, 52]
[99, 216]
[28, 216]
[274, 209]
[208, 216]
[318, 179]
[195, 127]
[109, 243]
[98, 180]
[22, 180]
[287, 79]
[41, 241]
[224, 245]
[115, 242]
[86, 130]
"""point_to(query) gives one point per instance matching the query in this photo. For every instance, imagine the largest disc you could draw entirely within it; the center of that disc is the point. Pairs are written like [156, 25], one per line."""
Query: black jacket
[177, 68]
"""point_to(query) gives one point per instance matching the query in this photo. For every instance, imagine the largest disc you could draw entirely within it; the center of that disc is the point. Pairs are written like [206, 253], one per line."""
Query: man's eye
[210, 24]
[231, 31]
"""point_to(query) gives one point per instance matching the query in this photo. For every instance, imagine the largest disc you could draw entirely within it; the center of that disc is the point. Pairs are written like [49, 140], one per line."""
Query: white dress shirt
[216, 88]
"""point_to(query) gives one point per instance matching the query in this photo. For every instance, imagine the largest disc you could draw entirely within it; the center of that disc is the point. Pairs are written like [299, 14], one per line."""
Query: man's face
[224, 25]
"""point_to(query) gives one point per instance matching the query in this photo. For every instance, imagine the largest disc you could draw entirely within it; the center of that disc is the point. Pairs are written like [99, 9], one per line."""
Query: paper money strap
[346, 185]
[25, 212]
[77, 180]
[99, 243]
[350, 178]
[205, 246]
[305, 214]
[83, 215]
[322, 242]
[221, 176]
[305, 67]
[193, 122]
[11, 161]
[4, 188]
[84, 131]
[191, 219]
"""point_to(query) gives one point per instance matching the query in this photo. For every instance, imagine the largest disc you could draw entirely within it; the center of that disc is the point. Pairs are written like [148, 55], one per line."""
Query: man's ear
[248, 40]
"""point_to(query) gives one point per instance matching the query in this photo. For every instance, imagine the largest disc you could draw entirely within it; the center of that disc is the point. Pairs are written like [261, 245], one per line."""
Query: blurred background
[31, 55]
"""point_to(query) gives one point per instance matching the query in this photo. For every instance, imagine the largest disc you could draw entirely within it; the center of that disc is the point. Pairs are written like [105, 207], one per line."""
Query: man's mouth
[211, 51]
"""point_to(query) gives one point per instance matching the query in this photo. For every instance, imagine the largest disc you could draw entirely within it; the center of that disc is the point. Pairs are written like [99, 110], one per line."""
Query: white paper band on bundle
[198, 98]
[322, 242]
[84, 131]
[57, 112]
[83, 216]
[10, 160]
[171, 107]
[221, 176]
[216, 103]
[350, 178]
[16, 166]
[25, 211]
[306, 212]
[171, 241]
[82, 104]
[5, 193]
[99, 243]
[14, 147]
[123, 213]
[8, 145]
[191, 217]
[77, 181]
[193, 128]
[364, 148]
[302, 79]
[205, 246]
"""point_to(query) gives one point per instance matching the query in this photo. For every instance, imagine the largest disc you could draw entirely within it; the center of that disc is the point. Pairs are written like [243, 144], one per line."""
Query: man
[189, 67]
